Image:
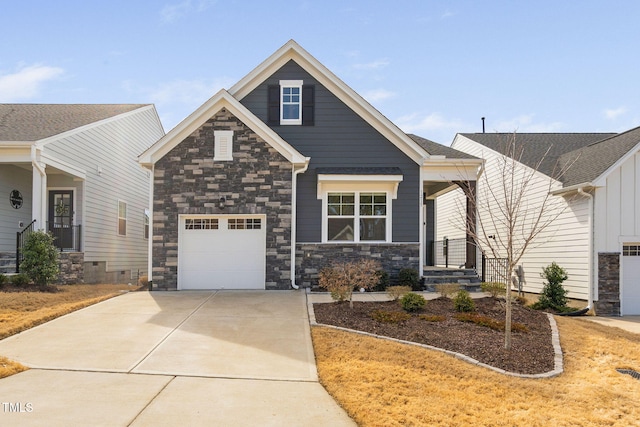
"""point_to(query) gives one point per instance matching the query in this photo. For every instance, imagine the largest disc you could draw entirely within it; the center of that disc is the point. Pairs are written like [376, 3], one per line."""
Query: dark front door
[61, 217]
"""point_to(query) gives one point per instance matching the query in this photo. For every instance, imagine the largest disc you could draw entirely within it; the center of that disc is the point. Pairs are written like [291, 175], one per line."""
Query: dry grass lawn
[23, 310]
[382, 383]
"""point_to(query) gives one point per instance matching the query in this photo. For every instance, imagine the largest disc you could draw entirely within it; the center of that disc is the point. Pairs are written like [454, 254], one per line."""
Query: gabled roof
[34, 122]
[534, 146]
[293, 51]
[594, 161]
[436, 149]
[220, 100]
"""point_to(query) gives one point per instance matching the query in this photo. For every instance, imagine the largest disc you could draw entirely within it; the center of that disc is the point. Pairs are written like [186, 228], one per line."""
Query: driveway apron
[171, 358]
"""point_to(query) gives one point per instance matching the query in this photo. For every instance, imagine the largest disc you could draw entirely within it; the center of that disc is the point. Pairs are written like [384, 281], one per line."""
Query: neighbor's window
[122, 218]
[145, 219]
[291, 102]
[356, 217]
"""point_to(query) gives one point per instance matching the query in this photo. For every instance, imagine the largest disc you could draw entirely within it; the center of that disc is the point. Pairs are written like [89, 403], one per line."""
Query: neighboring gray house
[267, 182]
[72, 170]
[596, 236]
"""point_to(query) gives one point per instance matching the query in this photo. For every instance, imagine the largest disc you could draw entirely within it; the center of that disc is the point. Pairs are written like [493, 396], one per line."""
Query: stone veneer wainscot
[188, 181]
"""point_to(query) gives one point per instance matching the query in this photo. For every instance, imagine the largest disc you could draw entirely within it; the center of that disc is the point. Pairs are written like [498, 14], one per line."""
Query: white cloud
[433, 122]
[27, 82]
[377, 95]
[172, 12]
[447, 14]
[614, 113]
[373, 65]
[524, 123]
[186, 92]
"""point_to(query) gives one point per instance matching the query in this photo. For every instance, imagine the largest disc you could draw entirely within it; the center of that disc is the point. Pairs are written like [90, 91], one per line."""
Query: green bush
[447, 289]
[383, 281]
[20, 280]
[396, 292]
[3, 279]
[493, 288]
[385, 316]
[40, 262]
[463, 302]
[412, 302]
[409, 277]
[553, 296]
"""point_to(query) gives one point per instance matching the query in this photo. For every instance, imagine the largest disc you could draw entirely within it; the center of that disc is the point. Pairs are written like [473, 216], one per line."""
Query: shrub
[341, 278]
[488, 322]
[396, 292]
[385, 316]
[493, 288]
[383, 281]
[447, 289]
[463, 302]
[40, 261]
[143, 281]
[412, 302]
[432, 317]
[553, 295]
[3, 279]
[20, 280]
[409, 277]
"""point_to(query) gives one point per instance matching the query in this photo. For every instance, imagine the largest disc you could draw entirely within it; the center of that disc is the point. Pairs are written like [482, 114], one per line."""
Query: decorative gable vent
[223, 145]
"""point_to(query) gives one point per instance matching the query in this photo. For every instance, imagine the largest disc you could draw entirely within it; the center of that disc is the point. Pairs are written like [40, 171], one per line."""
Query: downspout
[150, 242]
[591, 257]
[42, 187]
[294, 212]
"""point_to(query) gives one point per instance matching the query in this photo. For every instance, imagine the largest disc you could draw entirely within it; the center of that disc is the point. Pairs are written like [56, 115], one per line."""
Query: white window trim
[290, 83]
[357, 184]
[126, 225]
[223, 145]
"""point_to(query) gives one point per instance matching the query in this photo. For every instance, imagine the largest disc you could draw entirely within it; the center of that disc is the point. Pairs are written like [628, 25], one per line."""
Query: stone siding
[71, 268]
[188, 181]
[312, 257]
[608, 303]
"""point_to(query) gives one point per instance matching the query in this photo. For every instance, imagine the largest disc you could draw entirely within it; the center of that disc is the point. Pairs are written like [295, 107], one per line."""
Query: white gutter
[294, 209]
[591, 257]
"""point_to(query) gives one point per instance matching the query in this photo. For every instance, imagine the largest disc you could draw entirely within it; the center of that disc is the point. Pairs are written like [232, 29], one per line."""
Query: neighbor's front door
[61, 217]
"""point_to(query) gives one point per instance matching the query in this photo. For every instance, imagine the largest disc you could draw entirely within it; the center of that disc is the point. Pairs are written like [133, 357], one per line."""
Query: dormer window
[291, 103]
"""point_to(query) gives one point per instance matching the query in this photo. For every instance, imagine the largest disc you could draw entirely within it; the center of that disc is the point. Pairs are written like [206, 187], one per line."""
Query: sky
[434, 68]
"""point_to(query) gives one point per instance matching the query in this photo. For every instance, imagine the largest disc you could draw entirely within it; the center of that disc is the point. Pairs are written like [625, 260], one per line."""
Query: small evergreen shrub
[409, 277]
[396, 292]
[383, 281]
[3, 280]
[463, 302]
[20, 280]
[384, 316]
[432, 318]
[553, 296]
[447, 289]
[412, 302]
[40, 261]
[494, 288]
[488, 322]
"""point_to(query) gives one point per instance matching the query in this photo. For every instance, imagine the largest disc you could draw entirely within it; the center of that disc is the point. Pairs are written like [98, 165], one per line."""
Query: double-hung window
[122, 218]
[291, 102]
[356, 216]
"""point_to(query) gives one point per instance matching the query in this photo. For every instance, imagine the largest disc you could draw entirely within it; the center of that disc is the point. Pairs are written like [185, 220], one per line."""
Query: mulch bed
[531, 352]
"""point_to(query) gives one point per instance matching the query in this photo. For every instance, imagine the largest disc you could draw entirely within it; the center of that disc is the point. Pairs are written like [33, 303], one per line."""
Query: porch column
[470, 194]
[39, 197]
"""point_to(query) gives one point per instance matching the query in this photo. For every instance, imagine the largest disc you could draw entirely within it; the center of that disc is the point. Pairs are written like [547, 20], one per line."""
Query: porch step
[7, 262]
[466, 277]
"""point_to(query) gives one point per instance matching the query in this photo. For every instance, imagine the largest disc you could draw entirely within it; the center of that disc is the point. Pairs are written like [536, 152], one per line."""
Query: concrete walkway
[224, 358]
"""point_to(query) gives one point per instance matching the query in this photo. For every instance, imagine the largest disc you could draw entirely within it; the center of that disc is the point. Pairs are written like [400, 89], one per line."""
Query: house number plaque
[15, 198]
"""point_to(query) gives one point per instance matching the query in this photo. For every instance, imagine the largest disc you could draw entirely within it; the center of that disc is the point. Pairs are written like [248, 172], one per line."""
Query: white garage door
[630, 298]
[221, 252]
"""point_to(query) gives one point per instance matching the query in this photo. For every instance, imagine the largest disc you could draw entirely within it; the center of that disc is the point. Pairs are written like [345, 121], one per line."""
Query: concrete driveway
[171, 358]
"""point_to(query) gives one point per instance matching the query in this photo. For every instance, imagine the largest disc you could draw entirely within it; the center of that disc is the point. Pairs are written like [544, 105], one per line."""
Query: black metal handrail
[21, 236]
[66, 237]
[450, 252]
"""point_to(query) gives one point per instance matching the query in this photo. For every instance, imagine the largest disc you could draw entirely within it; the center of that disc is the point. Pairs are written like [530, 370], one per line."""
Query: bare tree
[511, 205]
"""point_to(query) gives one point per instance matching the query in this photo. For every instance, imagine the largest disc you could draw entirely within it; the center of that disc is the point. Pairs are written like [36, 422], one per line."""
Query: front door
[61, 217]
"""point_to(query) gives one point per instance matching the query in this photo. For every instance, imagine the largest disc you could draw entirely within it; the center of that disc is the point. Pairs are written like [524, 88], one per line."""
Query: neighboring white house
[72, 170]
[596, 236]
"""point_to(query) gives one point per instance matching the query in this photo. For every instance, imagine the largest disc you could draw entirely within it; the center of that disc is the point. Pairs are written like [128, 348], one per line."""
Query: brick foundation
[312, 257]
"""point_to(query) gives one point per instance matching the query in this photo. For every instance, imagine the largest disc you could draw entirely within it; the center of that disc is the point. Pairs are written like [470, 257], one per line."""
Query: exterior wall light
[221, 204]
